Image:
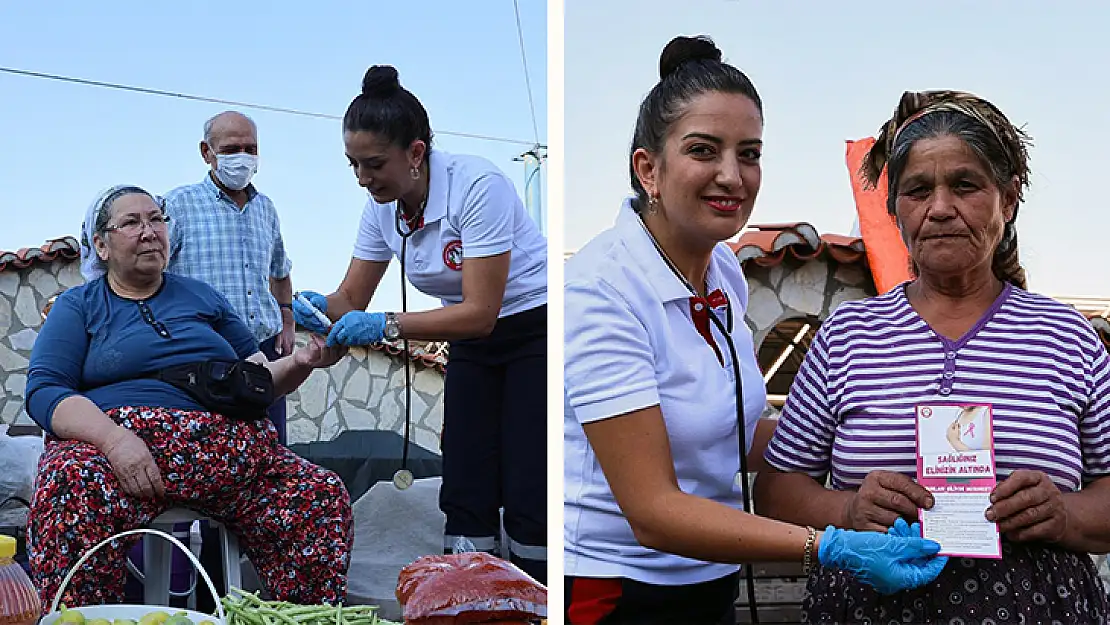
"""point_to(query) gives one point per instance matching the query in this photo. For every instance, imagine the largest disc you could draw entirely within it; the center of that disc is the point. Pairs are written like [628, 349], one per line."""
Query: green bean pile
[244, 608]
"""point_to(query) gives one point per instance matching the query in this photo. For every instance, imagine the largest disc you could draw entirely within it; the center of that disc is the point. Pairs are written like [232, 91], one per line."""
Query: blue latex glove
[891, 562]
[357, 328]
[901, 529]
[905, 530]
[304, 317]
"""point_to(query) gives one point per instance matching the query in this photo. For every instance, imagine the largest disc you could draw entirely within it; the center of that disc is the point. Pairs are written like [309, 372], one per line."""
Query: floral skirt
[293, 518]
[1031, 584]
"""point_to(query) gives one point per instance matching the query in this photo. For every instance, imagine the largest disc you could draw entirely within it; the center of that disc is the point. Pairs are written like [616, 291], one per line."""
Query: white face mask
[236, 170]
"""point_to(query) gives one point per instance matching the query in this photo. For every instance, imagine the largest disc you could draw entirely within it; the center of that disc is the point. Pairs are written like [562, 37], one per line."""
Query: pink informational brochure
[955, 462]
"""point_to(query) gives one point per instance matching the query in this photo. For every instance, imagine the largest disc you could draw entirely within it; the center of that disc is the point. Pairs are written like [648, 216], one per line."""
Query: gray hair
[212, 122]
[96, 220]
[988, 149]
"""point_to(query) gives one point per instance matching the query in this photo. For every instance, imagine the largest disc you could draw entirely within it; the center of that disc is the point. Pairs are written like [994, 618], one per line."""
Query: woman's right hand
[882, 499]
[893, 562]
[133, 465]
[305, 317]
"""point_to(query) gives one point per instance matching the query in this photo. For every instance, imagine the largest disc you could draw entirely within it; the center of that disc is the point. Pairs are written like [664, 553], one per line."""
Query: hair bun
[380, 81]
[682, 50]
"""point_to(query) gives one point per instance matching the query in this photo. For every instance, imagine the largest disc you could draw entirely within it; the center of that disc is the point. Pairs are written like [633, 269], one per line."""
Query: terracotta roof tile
[768, 244]
[432, 355]
[65, 247]
[1102, 326]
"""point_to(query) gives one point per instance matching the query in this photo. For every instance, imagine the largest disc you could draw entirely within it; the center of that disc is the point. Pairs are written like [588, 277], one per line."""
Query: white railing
[1097, 306]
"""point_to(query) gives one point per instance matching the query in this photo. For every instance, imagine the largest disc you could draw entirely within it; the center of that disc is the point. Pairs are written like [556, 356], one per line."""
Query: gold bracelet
[807, 559]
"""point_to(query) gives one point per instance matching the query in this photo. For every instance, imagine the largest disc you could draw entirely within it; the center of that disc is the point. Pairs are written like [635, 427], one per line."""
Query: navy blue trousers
[495, 441]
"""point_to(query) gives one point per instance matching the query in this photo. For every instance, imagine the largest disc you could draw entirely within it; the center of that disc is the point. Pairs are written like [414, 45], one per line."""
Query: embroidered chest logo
[453, 255]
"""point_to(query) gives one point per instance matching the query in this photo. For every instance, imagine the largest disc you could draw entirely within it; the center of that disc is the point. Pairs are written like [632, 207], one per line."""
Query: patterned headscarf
[915, 105]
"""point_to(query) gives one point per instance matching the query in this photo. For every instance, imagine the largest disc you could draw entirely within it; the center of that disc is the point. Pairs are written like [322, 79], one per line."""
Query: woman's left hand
[1028, 507]
[317, 354]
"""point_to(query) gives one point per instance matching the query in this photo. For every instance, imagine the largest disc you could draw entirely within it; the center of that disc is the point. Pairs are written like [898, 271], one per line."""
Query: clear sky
[62, 143]
[834, 71]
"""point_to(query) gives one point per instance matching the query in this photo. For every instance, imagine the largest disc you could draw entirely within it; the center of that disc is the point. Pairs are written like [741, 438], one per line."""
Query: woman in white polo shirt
[465, 238]
[655, 341]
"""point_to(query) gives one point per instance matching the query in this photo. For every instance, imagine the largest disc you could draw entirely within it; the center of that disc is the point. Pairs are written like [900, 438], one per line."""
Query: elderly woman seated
[129, 437]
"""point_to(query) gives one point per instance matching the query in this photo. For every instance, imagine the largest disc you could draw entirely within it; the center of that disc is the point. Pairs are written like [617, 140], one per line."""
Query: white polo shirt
[473, 211]
[631, 343]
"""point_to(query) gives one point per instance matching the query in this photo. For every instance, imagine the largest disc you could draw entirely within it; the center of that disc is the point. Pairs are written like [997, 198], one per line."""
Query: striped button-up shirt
[235, 250]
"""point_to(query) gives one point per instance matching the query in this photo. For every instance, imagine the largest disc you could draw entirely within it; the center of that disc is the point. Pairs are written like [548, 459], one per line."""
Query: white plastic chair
[157, 554]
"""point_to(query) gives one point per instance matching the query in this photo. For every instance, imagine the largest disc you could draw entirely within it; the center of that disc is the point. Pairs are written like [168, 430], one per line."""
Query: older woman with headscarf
[964, 331]
[126, 377]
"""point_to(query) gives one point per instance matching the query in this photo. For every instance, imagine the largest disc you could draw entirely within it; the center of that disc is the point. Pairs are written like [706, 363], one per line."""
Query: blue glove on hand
[305, 317]
[357, 328]
[892, 562]
[905, 530]
[902, 529]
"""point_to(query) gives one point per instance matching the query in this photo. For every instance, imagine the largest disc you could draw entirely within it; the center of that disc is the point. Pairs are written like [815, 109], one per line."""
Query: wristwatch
[392, 330]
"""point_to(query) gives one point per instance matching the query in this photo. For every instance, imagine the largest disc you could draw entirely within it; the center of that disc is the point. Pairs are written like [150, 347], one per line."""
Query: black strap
[745, 490]
[404, 341]
[20, 500]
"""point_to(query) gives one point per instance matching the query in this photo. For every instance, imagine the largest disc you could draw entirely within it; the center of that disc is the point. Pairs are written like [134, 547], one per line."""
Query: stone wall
[364, 391]
[23, 294]
[795, 289]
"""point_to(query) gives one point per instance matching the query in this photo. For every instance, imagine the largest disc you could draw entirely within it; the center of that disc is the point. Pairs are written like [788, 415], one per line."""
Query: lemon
[154, 618]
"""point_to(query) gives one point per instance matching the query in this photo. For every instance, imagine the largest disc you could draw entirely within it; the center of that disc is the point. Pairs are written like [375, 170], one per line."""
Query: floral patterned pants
[293, 518]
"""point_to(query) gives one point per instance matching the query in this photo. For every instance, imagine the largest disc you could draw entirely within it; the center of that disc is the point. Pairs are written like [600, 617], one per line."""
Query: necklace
[415, 220]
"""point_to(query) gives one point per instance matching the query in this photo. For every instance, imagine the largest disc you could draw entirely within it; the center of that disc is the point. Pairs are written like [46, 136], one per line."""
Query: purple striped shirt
[1038, 362]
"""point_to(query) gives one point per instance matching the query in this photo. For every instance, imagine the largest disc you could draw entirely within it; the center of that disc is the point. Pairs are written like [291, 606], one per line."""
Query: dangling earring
[415, 173]
[653, 204]
[1009, 236]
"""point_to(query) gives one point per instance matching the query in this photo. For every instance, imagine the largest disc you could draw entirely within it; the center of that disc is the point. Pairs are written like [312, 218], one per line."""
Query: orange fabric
[886, 253]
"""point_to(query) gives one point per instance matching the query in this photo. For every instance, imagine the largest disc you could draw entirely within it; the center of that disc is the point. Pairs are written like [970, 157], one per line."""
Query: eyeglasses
[133, 227]
[148, 316]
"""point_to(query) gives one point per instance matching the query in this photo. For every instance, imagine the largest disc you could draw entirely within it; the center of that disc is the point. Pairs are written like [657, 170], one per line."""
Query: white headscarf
[91, 265]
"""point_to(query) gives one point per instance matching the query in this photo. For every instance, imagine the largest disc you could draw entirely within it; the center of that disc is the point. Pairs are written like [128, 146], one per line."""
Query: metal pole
[533, 186]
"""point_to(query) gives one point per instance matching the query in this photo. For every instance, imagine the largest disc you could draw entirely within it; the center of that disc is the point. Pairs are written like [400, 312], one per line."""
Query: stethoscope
[403, 478]
[726, 333]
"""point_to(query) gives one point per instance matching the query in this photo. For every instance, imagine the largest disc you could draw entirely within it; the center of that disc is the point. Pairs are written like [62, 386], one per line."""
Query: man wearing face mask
[226, 233]
[223, 231]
